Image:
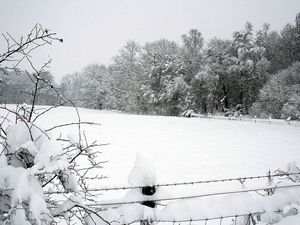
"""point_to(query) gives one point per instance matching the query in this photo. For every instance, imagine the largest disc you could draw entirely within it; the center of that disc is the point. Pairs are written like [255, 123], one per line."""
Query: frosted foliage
[20, 133]
[19, 217]
[49, 150]
[143, 172]
[48, 158]
[178, 85]
[24, 188]
[30, 147]
[69, 180]
[17, 135]
[33, 154]
[68, 204]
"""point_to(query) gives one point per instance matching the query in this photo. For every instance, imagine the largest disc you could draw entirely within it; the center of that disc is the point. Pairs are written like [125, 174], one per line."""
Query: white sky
[94, 30]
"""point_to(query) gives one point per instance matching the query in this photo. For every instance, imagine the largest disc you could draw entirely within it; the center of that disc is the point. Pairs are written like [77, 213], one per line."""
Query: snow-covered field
[184, 149]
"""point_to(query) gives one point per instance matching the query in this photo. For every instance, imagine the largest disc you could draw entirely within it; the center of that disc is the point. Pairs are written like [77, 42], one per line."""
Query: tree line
[253, 72]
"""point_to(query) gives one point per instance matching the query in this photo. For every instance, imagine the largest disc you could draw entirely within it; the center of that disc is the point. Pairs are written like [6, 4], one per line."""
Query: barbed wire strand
[198, 196]
[240, 179]
[214, 218]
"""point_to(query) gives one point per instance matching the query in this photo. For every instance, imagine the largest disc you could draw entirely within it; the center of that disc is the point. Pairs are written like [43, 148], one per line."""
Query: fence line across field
[287, 121]
[240, 179]
[273, 188]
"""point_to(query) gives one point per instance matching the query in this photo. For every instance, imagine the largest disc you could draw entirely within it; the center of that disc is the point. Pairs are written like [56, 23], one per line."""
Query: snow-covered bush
[41, 181]
[28, 155]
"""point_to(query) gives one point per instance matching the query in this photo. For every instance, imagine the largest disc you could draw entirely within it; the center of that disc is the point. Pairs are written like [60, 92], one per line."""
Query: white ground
[185, 149]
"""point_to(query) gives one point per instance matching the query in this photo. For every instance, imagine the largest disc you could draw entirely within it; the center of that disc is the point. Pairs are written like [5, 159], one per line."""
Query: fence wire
[239, 179]
[101, 206]
[269, 188]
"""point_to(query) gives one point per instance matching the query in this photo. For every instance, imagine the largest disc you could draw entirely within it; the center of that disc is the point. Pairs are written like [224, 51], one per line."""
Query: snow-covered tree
[192, 53]
[71, 86]
[290, 42]
[248, 67]
[165, 78]
[280, 96]
[127, 77]
[217, 59]
[204, 86]
[95, 86]
[89, 88]
[165, 85]
[271, 42]
[282, 49]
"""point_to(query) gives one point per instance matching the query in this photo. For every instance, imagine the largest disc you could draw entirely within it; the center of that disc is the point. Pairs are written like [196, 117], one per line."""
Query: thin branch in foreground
[74, 123]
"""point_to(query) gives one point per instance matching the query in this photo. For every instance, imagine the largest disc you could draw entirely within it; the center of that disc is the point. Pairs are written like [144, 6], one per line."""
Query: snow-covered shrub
[40, 178]
[34, 164]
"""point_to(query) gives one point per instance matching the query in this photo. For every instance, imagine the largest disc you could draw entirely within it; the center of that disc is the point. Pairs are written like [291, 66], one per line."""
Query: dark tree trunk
[225, 93]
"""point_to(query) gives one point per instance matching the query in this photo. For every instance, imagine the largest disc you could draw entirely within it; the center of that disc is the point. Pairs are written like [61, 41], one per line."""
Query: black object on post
[149, 190]
[150, 204]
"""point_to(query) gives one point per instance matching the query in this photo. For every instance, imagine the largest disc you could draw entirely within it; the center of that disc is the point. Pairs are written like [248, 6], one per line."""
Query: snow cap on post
[143, 172]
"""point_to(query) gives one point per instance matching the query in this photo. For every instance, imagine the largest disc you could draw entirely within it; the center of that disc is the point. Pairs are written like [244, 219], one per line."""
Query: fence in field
[270, 120]
[147, 201]
[269, 176]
